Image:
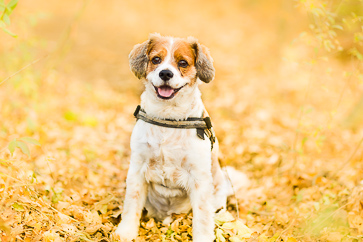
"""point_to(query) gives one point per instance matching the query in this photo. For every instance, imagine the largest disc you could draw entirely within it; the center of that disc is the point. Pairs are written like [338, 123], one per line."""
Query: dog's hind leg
[221, 186]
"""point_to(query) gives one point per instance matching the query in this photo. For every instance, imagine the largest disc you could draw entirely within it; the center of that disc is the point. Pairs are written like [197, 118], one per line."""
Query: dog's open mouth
[166, 92]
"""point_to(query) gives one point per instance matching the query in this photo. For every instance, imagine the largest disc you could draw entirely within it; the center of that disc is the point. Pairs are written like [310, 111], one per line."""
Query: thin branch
[22, 69]
[288, 227]
[331, 118]
[349, 159]
[301, 113]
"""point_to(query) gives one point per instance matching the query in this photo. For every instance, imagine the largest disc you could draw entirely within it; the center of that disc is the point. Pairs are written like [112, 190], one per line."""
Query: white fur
[171, 169]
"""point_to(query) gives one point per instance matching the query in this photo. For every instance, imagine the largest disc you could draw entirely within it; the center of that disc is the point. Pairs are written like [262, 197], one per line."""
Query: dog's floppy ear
[203, 61]
[138, 57]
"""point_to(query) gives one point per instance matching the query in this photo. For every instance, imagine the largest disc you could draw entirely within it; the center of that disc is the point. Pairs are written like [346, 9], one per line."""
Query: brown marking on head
[158, 49]
[182, 51]
[199, 61]
[196, 185]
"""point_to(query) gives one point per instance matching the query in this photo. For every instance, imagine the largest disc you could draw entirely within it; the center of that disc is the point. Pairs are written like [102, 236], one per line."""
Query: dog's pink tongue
[165, 91]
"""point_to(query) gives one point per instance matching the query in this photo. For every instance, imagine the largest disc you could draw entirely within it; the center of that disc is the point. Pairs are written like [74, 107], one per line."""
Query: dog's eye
[156, 60]
[183, 63]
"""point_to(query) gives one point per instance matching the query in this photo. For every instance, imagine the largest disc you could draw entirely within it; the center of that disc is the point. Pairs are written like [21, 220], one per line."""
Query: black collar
[202, 125]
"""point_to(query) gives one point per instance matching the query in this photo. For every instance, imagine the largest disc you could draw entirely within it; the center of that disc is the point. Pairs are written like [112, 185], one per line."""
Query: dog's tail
[237, 179]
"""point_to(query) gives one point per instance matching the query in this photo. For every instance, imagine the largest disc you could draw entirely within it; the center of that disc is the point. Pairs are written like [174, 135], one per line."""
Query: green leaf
[2, 5]
[355, 52]
[12, 146]
[24, 147]
[57, 196]
[9, 32]
[169, 232]
[12, 4]
[6, 18]
[70, 116]
[8, 10]
[31, 141]
[4, 162]
[18, 207]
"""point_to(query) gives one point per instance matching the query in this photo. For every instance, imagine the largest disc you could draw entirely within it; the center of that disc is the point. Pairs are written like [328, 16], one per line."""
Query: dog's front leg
[201, 200]
[136, 192]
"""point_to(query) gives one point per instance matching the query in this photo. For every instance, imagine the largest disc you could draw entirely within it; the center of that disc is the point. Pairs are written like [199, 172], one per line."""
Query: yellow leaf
[243, 230]
[239, 228]
[235, 239]
[219, 235]
[51, 236]
[229, 225]
[150, 224]
[18, 207]
[222, 217]
[262, 238]
[291, 239]
[63, 219]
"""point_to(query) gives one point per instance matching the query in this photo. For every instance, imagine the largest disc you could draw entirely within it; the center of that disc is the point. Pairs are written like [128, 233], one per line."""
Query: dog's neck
[182, 106]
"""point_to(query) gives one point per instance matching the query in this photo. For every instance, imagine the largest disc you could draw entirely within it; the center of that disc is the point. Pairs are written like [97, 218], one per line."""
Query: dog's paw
[125, 233]
[204, 238]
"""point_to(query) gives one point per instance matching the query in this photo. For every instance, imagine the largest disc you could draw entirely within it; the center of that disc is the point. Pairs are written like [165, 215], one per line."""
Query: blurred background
[287, 106]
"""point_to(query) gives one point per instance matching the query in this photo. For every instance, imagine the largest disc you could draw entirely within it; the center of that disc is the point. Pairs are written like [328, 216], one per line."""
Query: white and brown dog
[172, 170]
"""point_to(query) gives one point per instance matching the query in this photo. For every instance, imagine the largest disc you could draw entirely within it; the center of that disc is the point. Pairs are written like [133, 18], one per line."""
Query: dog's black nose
[166, 75]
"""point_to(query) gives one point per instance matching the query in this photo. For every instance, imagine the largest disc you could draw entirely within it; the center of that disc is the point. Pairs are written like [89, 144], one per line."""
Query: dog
[172, 170]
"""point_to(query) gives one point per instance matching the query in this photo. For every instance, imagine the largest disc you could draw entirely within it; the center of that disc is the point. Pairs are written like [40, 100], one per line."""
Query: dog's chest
[167, 153]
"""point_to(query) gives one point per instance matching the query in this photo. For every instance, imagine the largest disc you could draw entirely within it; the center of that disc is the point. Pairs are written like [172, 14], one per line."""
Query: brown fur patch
[184, 161]
[204, 62]
[175, 176]
[183, 51]
[202, 208]
[152, 163]
[158, 50]
[136, 195]
[138, 59]
[162, 157]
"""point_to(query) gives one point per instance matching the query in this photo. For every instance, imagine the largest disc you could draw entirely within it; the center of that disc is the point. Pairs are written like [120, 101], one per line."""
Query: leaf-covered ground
[285, 114]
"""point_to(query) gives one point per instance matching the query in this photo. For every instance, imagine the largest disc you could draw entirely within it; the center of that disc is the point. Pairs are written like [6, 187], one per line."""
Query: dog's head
[171, 65]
